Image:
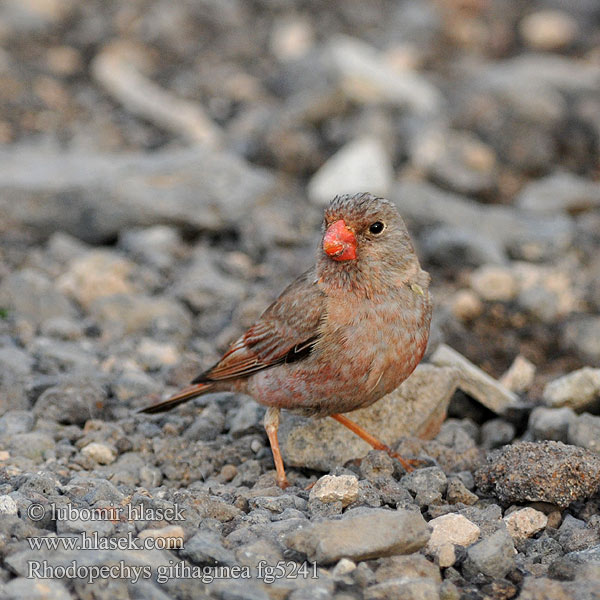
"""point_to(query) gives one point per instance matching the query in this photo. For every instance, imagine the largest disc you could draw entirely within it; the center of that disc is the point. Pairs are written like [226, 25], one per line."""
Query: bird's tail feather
[184, 395]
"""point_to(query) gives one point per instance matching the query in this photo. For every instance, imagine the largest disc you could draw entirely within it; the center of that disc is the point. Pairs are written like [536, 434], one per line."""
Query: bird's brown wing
[285, 332]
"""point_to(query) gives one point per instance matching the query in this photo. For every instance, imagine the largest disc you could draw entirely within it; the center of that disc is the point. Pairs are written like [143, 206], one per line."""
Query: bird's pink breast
[367, 348]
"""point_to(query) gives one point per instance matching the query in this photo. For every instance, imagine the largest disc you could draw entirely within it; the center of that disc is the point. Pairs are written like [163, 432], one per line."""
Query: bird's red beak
[339, 243]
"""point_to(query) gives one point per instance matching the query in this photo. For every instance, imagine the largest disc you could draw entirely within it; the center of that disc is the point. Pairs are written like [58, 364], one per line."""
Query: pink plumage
[342, 335]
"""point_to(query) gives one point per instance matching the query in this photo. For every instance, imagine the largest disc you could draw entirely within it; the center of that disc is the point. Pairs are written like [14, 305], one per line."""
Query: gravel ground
[164, 171]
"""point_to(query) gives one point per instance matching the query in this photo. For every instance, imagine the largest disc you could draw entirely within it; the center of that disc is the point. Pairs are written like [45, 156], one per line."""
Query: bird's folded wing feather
[285, 332]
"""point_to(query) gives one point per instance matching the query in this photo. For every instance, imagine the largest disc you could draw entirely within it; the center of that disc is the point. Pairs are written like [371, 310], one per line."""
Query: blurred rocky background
[163, 171]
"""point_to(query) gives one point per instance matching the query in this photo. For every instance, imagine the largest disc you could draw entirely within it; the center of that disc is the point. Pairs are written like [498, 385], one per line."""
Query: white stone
[291, 38]
[466, 305]
[548, 29]
[474, 381]
[451, 529]
[101, 453]
[361, 166]
[575, 390]
[334, 488]
[97, 274]
[494, 282]
[366, 77]
[7, 506]
[525, 522]
[170, 537]
[519, 376]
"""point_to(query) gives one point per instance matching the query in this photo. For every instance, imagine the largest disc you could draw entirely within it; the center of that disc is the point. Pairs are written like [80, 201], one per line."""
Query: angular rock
[474, 381]
[542, 588]
[418, 406]
[72, 403]
[405, 588]
[584, 431]
[331, 488]
[540, 472]
[525, 522]
[494, 282]
[577, 390]
[559, 192]
[34, 589]
[33, 297]
[455, 159]
[372, 534]
[96, 274]
[362, 165]
[519, 376]
[493, 556]
[512, 230]
[447, 531]
[428, 484]
[365, 77]
[551, 423]
[95, 196]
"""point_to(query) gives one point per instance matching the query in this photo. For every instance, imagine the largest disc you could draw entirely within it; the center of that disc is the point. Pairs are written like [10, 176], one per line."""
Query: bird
[341, 336]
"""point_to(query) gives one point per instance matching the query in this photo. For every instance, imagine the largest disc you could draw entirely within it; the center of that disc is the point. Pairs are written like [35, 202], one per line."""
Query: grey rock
[34, 445]
[542, 588]
[158, 246]
[551, 423]
[42, 483]
[203, 284]
[474, 381]
[15, 421]
[414, 408]
[558, 192]
[208, 425]
[489, 519]
[33, 589]
[449, 246]
[15, 361]
[376, 464]
[361, 536]
[124, 314]
[63, 328]
[354, 60]
[33, 297]
[584, 431]
[72, 403]
[496, 433]
[574, 535]
[582, 335]
[95, 196]
[542, 471]
[126, 469]
[409, 566]
[526, 235]
[493, 556]
[55, 356]
[405, 588]
[134, 384]
[206, 548]
[248, 418]
[427, 484]
[91, 490]
[455, 159]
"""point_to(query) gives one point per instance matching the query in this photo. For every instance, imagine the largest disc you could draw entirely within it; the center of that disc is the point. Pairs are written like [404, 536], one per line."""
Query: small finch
[342, 335]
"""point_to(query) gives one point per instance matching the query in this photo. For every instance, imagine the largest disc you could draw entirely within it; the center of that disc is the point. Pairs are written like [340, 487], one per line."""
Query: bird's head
[366, 231]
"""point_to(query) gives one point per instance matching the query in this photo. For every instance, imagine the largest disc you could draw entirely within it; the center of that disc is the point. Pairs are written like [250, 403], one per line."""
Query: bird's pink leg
[371, 440]
[271, 426]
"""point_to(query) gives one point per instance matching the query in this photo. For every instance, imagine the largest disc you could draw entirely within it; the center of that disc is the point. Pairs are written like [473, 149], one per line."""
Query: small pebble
[525, 522]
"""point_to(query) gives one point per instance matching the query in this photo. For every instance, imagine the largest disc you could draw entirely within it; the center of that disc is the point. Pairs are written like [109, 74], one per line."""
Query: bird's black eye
[376, 227]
